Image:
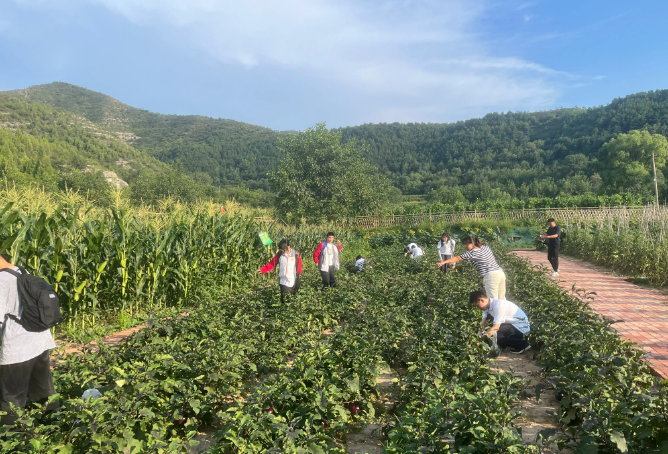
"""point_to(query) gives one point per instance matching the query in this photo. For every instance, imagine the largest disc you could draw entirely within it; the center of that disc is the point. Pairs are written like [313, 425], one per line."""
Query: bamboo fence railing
[620, 216]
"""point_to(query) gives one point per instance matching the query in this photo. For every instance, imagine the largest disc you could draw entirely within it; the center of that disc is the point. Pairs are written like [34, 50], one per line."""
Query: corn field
[122, 260]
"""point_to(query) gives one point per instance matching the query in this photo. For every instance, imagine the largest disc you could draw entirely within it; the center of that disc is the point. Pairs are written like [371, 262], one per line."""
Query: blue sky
[288, 64]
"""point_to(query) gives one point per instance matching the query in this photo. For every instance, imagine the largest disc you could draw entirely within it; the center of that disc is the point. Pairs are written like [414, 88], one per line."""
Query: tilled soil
[369, 439]
[535, 415]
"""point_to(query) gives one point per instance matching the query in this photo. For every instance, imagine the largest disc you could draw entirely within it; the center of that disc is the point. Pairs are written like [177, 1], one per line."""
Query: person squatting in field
[553, 236]
[359, 264]
[510, 325]
[413, 249]
[326, 256]
[481, 256]
[25, 365]
[289, 268]
[446, 249]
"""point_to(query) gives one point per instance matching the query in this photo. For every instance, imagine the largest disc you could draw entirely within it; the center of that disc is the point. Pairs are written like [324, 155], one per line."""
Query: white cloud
[526, 5]
[421, 54]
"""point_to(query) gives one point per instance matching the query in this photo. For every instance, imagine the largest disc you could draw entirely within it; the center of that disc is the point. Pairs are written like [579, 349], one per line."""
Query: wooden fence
[621, 216]
[603, 216]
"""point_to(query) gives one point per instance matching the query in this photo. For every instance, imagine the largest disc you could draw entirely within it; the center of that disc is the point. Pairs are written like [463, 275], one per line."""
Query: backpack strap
[12, 316]
[12, 272]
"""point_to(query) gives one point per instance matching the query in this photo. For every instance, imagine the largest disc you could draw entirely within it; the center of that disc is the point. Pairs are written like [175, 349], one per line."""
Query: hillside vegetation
[51, 148]
[222, 152]
[502, 157]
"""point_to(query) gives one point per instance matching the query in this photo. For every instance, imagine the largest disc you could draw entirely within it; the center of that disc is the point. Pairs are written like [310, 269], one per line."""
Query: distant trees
[91, 185]
[321, 178]
[626, 162]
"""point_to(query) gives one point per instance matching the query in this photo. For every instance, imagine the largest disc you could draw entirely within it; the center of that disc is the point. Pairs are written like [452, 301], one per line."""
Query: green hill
[525, 154]
[49, 147]
[511, 155]
[230, 152]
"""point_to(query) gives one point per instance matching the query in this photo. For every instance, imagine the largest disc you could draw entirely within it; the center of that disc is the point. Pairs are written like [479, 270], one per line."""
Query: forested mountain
[499, 156]
[525, 154]
[48, 147]
[222, 152]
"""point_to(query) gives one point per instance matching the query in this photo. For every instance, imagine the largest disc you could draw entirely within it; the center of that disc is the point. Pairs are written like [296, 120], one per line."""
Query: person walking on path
[326, 256]
[446, 249]
[25, 365]
[481, 256]
[289, 268]
[553, 236]
[510, 324]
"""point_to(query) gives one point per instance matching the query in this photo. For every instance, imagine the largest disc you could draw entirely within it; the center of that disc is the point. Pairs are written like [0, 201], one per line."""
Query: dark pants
[328, 278]
[444, 268]
[553, 257]
[19, 381]
[509, 336]
[285, 290]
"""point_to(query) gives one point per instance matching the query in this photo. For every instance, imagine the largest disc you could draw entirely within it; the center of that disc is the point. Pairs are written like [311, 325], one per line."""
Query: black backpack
[39, 301]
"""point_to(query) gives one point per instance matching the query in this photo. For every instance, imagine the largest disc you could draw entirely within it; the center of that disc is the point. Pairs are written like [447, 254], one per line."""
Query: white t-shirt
[417, 252]
[329, 254]
[446, 247]
[504, 311]
[359, 264]
[18, 345]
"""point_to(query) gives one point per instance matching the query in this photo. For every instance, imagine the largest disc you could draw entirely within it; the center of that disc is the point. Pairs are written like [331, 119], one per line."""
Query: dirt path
[535, 415]
[369, 439]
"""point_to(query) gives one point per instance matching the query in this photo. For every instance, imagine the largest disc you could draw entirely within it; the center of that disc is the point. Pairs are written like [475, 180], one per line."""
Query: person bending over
[510, 324]
[481, 256]
[359, 264]
[414, 250]
[289, 268]
[326, 256]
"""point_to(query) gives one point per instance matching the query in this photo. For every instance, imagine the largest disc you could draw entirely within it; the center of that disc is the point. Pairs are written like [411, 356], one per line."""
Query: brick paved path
[644, 311]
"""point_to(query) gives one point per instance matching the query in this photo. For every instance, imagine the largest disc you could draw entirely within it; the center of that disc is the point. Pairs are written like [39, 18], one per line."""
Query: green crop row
[171, 378]
[631, 252]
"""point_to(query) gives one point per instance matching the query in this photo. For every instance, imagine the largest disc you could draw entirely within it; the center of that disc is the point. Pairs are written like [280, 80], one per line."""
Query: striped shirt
[482, 258]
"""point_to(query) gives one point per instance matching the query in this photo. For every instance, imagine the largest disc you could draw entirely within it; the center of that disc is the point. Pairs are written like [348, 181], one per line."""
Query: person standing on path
[326, 256]
[481, 256]
[553, 236]
[289, 268]
[510, 323]
[446, 249]
[25, 365]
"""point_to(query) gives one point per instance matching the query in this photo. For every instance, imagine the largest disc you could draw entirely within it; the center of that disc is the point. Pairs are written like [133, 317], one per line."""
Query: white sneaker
[555, 273]
[522, 351]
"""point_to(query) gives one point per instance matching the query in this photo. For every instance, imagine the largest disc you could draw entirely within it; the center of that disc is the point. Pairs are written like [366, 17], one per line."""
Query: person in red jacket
[326, 256]
[289, 268]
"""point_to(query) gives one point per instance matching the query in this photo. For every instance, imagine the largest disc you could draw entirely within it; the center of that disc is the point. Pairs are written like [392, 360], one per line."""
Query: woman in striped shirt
[481, 256]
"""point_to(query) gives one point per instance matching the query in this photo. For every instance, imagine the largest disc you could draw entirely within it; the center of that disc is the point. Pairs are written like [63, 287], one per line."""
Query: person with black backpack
[28, 308]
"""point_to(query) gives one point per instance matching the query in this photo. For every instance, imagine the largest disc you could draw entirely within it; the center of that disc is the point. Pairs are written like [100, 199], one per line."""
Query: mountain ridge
[520, 154]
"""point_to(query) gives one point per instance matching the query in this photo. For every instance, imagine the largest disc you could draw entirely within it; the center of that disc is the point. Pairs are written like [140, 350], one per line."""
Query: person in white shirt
[510, 324]
[359, 263]
[446, 249]
[25, 364]
[326, 257]
[413, 249]
[289, 264]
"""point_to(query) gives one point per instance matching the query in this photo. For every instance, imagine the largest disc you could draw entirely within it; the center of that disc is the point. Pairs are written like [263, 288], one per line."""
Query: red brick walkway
[644, 311]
